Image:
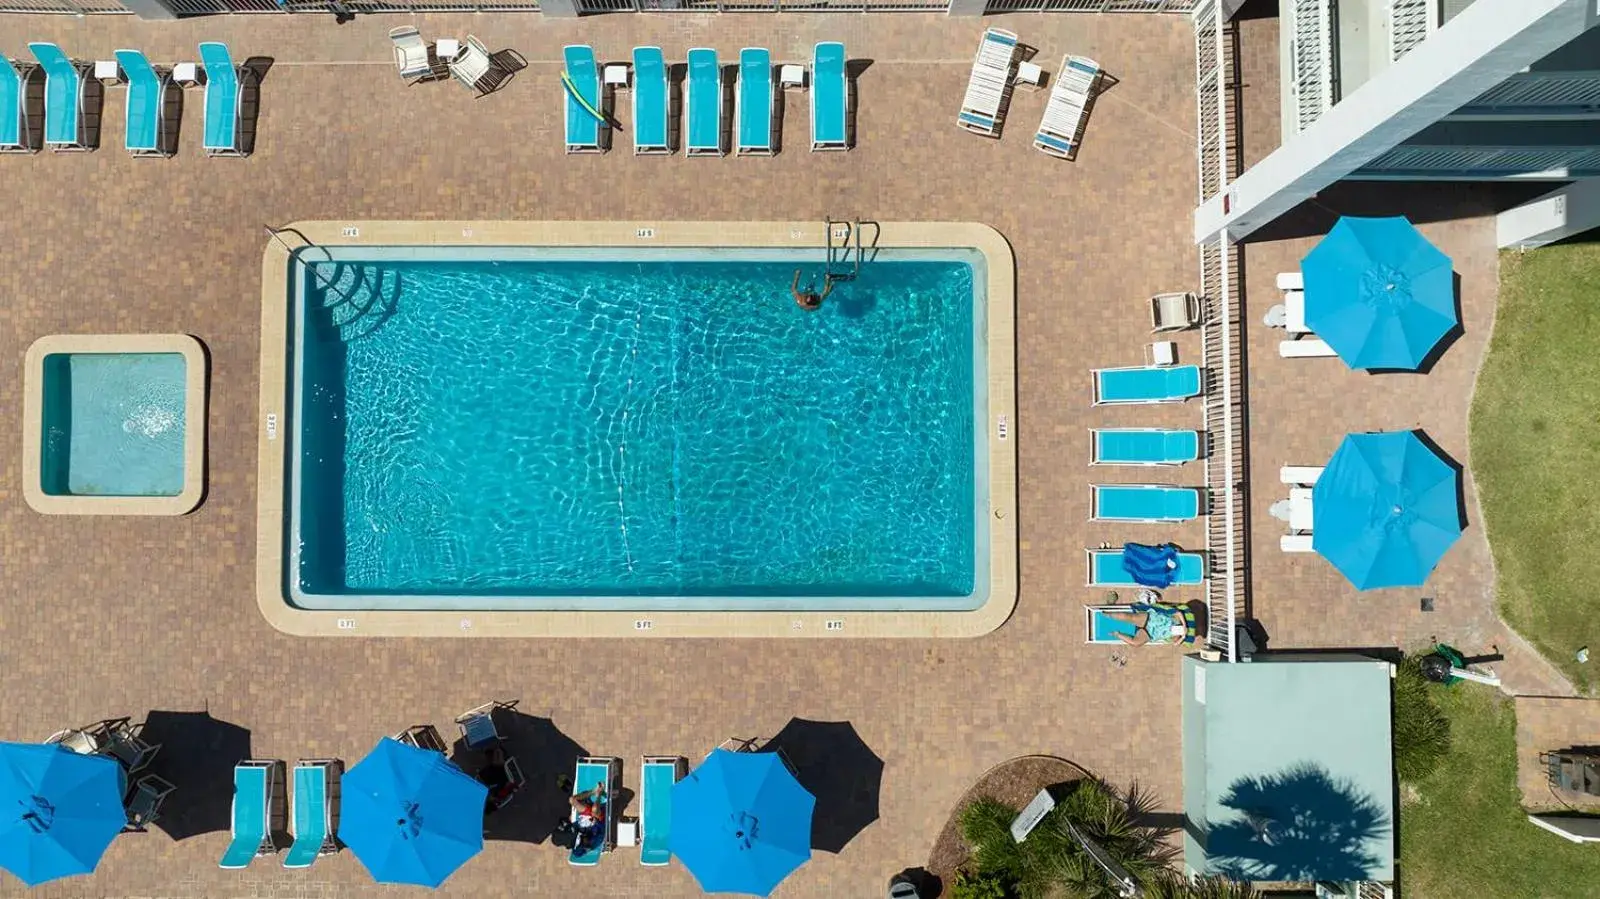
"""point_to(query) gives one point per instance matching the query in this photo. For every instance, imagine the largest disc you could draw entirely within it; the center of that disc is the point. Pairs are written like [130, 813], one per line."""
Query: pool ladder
[846, 249]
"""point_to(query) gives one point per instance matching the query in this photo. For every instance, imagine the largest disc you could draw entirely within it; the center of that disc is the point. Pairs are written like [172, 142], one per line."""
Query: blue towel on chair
[1151, 566]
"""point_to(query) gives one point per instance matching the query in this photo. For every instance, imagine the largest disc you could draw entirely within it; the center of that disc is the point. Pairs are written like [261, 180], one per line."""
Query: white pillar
[1571, 210]
[1478, 49]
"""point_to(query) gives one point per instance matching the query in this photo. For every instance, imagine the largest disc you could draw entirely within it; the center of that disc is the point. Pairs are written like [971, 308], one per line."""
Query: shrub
[970, 885]
[1421, 731]
[1051, 861]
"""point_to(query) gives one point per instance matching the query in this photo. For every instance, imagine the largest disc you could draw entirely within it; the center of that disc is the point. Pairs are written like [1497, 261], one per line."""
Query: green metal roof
[1287, 769]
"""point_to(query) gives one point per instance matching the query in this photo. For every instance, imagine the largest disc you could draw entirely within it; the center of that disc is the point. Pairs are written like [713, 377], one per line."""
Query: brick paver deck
[1301, 408]
[120, 616]
[1551, 724]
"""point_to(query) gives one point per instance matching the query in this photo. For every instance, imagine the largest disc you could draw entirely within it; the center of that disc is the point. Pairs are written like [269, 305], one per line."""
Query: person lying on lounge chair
[1156, 623]
[591, 808]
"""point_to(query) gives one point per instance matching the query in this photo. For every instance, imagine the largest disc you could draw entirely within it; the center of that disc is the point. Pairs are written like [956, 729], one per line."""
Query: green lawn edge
[1534, 429]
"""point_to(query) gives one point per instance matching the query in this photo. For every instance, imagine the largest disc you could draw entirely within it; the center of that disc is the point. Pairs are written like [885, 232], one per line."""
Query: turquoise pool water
[547, 431]
[113, 424]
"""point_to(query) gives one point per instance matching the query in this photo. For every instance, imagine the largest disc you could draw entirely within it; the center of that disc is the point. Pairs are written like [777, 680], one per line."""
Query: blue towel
[1151, 566]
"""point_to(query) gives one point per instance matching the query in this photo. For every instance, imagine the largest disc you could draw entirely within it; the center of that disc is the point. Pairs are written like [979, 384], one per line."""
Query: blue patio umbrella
[741, 822]
[410, 814]
[1379, 293]
[58, 810]
[1385, 510]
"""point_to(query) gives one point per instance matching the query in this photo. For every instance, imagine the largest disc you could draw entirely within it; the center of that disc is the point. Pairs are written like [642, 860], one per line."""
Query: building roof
[1287, 769]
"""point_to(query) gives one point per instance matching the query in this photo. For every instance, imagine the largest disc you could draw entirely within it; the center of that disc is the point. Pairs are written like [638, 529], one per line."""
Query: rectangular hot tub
[114, 424]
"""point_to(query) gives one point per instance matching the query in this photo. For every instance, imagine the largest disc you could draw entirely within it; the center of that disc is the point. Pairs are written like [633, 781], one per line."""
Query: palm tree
[1052, 862]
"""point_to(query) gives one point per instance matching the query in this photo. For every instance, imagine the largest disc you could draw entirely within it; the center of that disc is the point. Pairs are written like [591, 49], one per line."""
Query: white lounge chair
[1291, 281]
[1294, 312]
[1295, 543]
[1299, 475]
[1174, 311]
[1069, 99]
[410, 53]
[989, 85]
[472, 66]
[1305, 348]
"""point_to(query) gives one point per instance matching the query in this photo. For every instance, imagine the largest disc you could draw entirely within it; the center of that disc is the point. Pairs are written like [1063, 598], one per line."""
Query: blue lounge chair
[1106, 569]
[1145, 384]
[1143, 446]
[1143, 502]
[1098, 627]
[703, 104]
[830, 98]
[17, 128]
[145, 132]
[64, 113]
[656, 777]
[586, 121]
[592, 770]
[652, 103]
[753, 104]
[224, 109]
[315, 792]
[255, 784]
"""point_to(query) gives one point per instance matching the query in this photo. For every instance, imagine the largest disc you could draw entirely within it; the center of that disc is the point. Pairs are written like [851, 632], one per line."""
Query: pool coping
[194, 436]
[275, 376]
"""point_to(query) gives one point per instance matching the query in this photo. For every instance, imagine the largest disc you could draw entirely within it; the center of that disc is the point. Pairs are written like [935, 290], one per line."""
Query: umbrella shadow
[546, 757]
[198, 754]
[836, 766]
[1461, 481]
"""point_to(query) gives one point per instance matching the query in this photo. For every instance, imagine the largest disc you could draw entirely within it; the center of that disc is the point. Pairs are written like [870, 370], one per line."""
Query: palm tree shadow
[1298, 824]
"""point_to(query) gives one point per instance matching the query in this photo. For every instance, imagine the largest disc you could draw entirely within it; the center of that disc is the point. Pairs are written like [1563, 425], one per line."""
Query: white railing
[1216, 151]
[1410, 23]
[1093, 5]
[1311, 52]
[65, 7]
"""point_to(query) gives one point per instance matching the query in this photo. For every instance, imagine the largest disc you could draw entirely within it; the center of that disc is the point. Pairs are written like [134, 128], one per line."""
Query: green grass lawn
[1536, 450]
[1464, 834]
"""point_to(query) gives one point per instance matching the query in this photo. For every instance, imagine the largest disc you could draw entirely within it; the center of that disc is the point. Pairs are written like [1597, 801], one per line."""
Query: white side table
[1030, 75]
[186, 73]
[106, 70]
[446, 48]
[1162, 352]
[615, 75]
[627, 833]
[791, 75]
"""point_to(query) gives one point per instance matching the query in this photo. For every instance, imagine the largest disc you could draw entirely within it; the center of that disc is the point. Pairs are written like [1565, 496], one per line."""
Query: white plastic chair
[410, 52]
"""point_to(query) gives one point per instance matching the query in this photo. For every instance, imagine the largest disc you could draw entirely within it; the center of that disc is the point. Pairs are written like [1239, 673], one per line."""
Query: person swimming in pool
[808, 299]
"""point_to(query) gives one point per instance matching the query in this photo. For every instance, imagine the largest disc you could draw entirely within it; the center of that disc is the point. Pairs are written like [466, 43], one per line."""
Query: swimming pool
[114, 424]
[506, 431]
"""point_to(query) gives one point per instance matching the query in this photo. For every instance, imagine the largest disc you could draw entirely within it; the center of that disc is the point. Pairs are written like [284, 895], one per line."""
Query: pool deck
[120, 616]
[161, 614]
